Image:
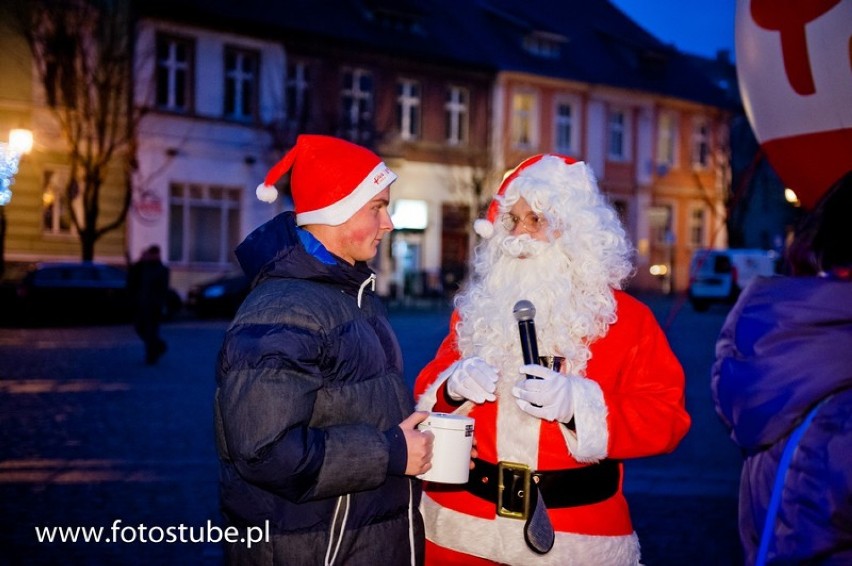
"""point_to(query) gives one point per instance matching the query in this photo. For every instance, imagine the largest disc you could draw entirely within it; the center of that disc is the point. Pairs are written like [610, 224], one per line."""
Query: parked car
[80, 292]
[219, 297]
[721, 275]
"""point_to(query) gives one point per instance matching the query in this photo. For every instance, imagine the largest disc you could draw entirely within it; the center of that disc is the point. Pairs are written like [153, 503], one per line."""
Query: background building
[450, 94]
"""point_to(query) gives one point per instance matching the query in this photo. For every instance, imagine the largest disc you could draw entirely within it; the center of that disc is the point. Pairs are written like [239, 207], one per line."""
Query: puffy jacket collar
[279, 248]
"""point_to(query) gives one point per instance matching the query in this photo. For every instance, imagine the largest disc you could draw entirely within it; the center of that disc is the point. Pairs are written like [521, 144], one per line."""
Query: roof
[589, 41]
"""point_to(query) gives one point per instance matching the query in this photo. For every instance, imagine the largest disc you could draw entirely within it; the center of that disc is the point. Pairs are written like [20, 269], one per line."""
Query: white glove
[472, 378]
[548, 398]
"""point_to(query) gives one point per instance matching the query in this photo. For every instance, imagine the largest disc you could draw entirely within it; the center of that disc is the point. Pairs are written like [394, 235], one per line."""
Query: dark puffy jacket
[785, 347]
[310, 393]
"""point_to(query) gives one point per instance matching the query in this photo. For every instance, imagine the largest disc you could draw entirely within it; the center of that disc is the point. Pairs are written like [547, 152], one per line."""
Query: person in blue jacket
[786, 348]
[315, 427]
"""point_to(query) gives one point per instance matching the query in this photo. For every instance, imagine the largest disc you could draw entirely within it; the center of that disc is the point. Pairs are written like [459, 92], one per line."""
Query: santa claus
[546, 487]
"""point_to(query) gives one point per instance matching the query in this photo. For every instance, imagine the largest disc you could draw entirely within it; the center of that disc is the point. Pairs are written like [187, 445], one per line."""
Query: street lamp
[20, 142]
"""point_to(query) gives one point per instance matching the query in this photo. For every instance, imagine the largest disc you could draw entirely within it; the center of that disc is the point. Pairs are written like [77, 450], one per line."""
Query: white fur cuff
[590, 441]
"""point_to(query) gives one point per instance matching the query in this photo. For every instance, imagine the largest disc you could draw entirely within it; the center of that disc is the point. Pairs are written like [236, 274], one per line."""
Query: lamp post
[20, 142]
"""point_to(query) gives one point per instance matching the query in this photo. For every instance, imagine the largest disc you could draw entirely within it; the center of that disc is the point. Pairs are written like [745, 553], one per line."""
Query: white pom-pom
[483, 227]
[266, 193]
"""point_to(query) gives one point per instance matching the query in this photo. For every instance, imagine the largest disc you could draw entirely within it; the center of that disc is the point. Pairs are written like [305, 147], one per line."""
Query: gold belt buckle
[515, 467]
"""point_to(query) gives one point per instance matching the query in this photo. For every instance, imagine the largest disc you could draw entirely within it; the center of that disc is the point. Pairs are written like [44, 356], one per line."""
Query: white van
[720, 275]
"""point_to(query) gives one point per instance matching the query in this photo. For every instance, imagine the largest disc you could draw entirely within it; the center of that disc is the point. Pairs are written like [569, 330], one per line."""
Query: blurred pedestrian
[315, 427]
[148, 287]
[782, 384]
[547, 486]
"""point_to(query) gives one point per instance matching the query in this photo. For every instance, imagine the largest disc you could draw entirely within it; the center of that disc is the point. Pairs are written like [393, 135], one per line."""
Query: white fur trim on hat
[266, 193]
[339, 212]
[483, 227]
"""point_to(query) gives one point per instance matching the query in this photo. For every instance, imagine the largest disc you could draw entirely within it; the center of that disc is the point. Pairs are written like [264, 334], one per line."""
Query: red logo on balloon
[789, 17]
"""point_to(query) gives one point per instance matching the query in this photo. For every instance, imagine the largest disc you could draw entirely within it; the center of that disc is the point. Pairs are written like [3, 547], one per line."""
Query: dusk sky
[699, 27]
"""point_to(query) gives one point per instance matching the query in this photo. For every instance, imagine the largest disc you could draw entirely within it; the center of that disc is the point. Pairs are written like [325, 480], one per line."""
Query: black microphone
[524, 312]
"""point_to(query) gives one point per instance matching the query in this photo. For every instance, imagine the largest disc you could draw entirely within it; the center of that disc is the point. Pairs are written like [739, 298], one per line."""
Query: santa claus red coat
[628, 404]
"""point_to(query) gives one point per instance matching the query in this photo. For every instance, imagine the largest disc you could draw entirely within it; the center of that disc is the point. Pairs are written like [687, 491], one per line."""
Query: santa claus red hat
[485, 226]
[331, 179]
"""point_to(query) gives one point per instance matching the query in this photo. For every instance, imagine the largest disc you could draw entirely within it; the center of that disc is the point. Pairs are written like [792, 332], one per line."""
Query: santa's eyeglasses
[531, 222]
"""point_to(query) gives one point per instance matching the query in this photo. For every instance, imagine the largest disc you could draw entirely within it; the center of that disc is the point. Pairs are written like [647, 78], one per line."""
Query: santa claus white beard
[572, 308]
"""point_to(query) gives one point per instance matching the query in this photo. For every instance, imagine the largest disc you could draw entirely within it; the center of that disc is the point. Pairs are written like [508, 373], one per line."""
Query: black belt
[507, 484]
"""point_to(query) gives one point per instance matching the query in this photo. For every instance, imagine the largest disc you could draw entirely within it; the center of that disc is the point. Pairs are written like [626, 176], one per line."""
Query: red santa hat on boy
[527, 168]
[331, 179]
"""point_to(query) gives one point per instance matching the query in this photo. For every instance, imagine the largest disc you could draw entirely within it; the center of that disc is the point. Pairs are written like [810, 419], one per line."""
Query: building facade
[451, 95]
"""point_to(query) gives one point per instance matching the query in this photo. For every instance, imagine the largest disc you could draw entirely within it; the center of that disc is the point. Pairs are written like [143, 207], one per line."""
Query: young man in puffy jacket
[315, 426]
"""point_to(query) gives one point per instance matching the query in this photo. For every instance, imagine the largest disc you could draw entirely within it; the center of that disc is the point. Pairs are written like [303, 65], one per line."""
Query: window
[666, 142]
[456, 109]
[357, 105]
[56, 210]
[174, 73]
[408, 109]
[241, 83]
[297, 104]
[700, 144]
[618, 135]
[661, 221]
[204, 223]
[566, 134]
[523, 120]
[697, 227]
[543, 44]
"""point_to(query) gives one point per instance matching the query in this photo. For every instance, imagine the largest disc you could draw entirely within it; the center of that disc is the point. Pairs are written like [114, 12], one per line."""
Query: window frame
[55, 181]
[297, 93]
[700, 143]
[357, 121]
[409, 104]
[573, 124]
[457, 115]
[667, 154]
[618, 130]
[524, 119]
[174, 70]
[242, 79]
[702, 227]
[194, 197]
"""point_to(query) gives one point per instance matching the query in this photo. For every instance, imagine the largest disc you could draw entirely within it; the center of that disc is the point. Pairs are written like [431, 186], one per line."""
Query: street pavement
[94, 438]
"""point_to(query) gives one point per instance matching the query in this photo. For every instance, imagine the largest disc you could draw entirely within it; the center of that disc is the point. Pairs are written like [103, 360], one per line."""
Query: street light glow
[21, 140]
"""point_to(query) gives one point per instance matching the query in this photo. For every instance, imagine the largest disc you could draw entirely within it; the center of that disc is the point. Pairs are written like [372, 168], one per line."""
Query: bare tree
[83, 56]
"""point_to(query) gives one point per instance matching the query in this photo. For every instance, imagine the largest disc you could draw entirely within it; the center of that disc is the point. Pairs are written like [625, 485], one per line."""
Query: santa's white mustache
[522, 246]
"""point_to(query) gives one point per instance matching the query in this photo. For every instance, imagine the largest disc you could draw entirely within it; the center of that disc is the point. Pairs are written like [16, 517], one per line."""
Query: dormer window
[394, 15]
[543, 44]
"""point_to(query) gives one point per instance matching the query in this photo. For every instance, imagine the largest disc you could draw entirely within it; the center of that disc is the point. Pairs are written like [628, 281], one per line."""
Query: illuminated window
[57, 199]
[523, 120]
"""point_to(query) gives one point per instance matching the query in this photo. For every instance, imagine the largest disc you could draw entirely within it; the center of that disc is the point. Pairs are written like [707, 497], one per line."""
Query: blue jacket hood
[785, 346]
